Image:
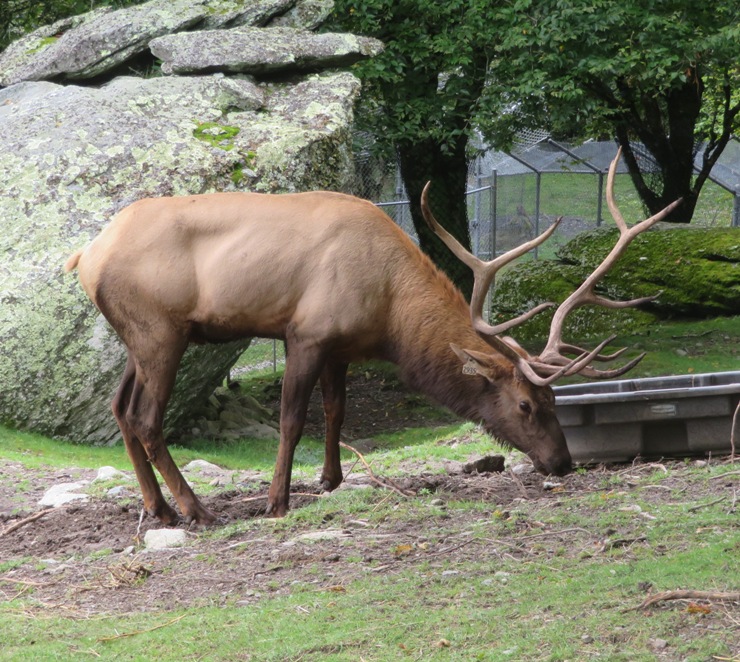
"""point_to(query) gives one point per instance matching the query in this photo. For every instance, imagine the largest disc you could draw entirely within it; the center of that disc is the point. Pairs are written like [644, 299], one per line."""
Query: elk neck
[423, 325]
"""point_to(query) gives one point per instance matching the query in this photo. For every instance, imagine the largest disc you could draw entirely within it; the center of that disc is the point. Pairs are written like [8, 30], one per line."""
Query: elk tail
[71, 263]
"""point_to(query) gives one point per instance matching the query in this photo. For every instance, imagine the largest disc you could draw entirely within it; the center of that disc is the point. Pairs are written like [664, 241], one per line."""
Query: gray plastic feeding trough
[653, 417]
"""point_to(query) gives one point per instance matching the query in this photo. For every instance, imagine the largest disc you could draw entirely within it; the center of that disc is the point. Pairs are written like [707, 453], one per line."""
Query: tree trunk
[424, 161]
[667, 130]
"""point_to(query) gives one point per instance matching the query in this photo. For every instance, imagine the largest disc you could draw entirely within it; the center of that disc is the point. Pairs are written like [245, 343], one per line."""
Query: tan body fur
[329, 273]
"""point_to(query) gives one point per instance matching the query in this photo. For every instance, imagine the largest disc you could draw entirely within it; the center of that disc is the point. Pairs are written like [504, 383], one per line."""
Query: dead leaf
[694, 608]
[403, 550]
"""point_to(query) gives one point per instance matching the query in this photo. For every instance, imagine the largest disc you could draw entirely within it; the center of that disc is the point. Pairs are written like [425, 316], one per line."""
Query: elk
[339, 282]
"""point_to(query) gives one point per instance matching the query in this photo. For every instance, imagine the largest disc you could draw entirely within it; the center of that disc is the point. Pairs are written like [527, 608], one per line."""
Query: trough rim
[649, 388]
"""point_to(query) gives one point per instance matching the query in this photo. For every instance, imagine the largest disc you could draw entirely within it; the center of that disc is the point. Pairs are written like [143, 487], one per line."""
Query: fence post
[494, 211]
[538, 179]
[599, 203]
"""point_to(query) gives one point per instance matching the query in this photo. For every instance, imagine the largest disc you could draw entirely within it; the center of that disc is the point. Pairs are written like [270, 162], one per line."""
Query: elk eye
[525, 407]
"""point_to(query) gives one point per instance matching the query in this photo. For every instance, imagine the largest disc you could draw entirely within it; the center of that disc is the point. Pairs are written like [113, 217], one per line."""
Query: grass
[545, 606]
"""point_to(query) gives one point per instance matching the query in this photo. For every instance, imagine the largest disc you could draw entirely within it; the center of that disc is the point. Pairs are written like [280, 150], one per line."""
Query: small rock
[164, 538]
[658, 644]
[452, 467]
[58, 495]
[118, 492]
[522, 469]
[587, 639]
[203, 467]
[550, 485]
[502, 576]
[328, 534]
[436, 502]
[450, 573]
[488, 464]
[108, 473]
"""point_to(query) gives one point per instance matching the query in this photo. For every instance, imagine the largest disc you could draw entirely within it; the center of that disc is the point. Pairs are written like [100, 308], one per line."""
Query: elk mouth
[560, 465]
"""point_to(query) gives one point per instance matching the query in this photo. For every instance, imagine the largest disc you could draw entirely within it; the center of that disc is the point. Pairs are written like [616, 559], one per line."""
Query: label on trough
[663, 410]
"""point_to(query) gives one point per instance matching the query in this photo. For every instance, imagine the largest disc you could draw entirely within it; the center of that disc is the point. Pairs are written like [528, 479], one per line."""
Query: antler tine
[484, 272]
[585, 293]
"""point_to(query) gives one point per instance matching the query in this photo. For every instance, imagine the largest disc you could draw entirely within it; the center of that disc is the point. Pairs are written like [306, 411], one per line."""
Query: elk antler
[484, 273]
[552, 363]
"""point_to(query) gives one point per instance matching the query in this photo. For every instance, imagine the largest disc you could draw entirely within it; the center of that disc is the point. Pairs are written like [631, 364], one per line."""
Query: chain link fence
[512, 197]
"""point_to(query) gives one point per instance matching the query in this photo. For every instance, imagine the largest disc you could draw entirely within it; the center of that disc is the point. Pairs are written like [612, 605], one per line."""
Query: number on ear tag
[470, 369]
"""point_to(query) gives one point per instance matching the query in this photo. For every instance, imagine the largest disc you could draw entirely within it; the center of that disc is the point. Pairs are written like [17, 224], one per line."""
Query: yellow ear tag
[470, 368]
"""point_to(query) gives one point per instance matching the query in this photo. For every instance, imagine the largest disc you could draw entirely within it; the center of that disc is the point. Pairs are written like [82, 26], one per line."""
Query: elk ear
[478, 363]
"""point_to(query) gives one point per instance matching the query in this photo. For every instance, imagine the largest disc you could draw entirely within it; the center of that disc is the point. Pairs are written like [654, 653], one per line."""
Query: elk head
[520, 406]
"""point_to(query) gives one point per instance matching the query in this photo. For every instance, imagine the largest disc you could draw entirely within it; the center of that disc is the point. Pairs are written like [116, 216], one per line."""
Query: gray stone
[305, 14]
[203, 467]
[108, 473]
[259, 51]
[62, 494]
[155, 539]
[119, 492]
[486, 464]
[93, 43]
[327, 534]
[73, 157]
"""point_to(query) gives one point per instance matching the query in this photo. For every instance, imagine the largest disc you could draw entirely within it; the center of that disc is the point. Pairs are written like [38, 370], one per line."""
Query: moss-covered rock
[696, 269]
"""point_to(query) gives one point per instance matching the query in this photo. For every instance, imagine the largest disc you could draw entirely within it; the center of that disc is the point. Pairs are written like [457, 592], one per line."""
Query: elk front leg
[302, 368]
[334, 392]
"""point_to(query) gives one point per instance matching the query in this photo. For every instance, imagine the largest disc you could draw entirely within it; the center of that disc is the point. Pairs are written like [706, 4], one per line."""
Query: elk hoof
[164, 513]
[203, 516]
[276, 509]
[328, 484]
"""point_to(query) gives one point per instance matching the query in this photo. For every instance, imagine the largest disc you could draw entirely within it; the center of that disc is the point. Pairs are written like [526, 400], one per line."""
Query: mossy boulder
[697, 271]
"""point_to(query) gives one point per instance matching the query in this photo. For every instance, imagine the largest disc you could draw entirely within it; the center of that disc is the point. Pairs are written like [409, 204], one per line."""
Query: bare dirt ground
[87, 558]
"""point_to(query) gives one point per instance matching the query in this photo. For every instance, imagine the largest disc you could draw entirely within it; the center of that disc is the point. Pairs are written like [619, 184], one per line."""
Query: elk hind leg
[154, 502]
[155, 378]
[334, 392]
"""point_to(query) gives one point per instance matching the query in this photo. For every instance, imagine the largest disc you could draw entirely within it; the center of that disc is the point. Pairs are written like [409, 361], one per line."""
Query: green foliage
[659, 72]
[595, 59]
[427, 82]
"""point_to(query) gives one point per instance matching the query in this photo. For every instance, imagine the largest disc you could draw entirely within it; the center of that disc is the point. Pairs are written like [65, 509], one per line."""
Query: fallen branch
[260, 497]
[135, 632]
[706, 505]
[23, 522]
[727, 473]
[732, 596]
[387, 483]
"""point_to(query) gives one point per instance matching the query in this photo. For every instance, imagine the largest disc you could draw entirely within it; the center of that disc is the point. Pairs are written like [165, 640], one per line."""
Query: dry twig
[135, 632]
[706, 505]
[732, 596]
[23, 522]
[727, 473]
[387, 483]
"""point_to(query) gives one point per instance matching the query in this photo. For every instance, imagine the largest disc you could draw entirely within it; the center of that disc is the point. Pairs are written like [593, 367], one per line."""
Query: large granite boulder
[75, 155]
